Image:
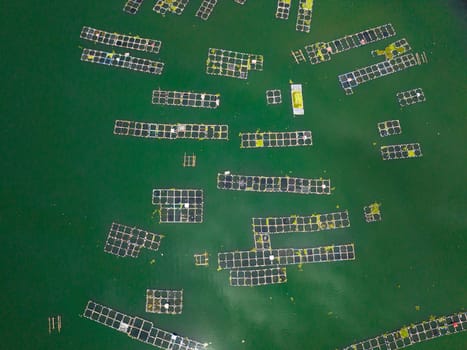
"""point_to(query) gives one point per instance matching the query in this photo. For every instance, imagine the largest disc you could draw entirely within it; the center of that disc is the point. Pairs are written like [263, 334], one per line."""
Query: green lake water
[66, 177]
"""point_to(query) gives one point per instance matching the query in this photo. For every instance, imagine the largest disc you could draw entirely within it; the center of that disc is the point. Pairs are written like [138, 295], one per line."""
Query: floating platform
[283, 9]
[162, 301]
[258, 277]
[285, 256]
[401, 151]
[201, 259]
[273, 97]
[273, 184]
[433, 328]
[171, 6]
[179, 205]
[305, 12]
[372, 212]
[297, 99]
[205, 9]
[132, 6]
[171, 131]
[389, 127]
[232, 64]
[124, 240]
[189, 160]
[276, 139]
[122, 61]
[351, 80]
[294, 223]
[185, 99]
[394, 49]
[322, 51]
[298, 56]
[139, 329]
[120, 40]
[410, 97]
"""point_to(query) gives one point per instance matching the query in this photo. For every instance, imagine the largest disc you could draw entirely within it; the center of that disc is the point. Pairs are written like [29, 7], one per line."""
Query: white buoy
[271, 257]
[166, 306]
[187, 205]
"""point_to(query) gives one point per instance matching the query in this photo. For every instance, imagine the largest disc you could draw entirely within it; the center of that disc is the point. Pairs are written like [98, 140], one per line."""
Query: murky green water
[66, 177]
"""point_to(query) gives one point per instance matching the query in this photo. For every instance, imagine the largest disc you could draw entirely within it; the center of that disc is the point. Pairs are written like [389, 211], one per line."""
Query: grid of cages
[171, 131]
[322, 51]
[120, 40]
[276, 139]
[294, 223]
[189, 160]
[124, 240]
[171, 6]
[232, 64]
[285, 256]
[205, 9]
[179, 205]
[298, 56]
[262, 241]
[201, 259]
[305, 12]
[139, 329]
[372, 212]
[283, 9]
[409, 97]
[122, 61]
[359, 76]
[273, 184]
[185, 99]
[258, 277]
[389, 127]
[394, 49]
[132, 6]
[273, 97]
[415, 333]
[401, 151]
[161, 301]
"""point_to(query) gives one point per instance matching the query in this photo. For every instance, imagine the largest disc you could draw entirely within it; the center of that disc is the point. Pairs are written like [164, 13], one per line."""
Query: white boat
[297, 99]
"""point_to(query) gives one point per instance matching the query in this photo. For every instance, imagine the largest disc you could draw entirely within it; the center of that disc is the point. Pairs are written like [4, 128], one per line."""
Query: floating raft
[258, 277]
[297, 99]
[401, 151]
[285, 256]
[179, 205]
[161, 301]
[305, 12]
[120, 40]
[171, 6]
[132, 6]
[394, 49]
[372, 212]
[294, 223]
[273, 97]
[139, 329]
[433, 328]
[276, 139]
[389, 127]
[410, 97]
[322, 51]
[185, 99]
[171, 131]
[298, 56]
[205, 9]
[283, 9]
[201, 259]
[122, 61]
[232, 64]
[189, 161]
[351, 80]
[273, 184]
[126, 241]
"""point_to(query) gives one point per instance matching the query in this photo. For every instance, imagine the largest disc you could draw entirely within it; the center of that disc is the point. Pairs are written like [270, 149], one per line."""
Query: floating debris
[161, 301]
[415, 333]
[283, 9]
[122, 61]
[372, 212]
[241, 2]
[139, 329]
[394, 49]
[179, 205]
[401, 151]
[202, 259]
[410, 97]
[305, 12]
[298, 56]
[273, 184]
[359, 76]
[273, 97]
[126, 241]
[276, 139]
[322, 51]
[258, 277]
[232, 64]
[185, 99]
[205, 9]
[171, 131]
[189, 161]
[297, 99]
[389, 127]
[171, 6]
[120, 40]
[285, 256]
[132, 6]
